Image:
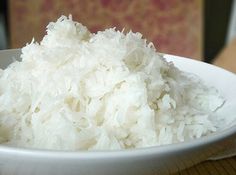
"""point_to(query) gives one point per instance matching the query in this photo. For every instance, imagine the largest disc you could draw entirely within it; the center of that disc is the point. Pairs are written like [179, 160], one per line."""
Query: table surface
[216, 167]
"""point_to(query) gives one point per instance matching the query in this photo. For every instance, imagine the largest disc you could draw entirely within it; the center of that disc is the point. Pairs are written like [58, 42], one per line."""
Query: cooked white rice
[77, 90]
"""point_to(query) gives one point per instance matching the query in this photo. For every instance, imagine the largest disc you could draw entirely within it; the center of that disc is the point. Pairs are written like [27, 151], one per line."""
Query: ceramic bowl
[153, 160]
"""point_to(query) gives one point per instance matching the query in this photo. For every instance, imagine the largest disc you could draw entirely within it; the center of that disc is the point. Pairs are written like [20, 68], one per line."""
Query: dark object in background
[4, 11]
[217, 14]
[4, 24]
[3, 7]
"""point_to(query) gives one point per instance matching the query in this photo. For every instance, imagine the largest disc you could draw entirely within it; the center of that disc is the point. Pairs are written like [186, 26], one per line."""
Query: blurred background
[198, 29]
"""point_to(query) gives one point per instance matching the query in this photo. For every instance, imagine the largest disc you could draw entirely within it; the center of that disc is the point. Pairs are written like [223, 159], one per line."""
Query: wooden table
[227, 57]
[214, 167]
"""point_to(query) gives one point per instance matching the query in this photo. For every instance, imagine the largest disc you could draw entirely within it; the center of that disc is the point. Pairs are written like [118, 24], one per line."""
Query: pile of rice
[77, 90]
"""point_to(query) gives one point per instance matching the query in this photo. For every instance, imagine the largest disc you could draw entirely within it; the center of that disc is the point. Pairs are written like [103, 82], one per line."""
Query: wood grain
[216, 167]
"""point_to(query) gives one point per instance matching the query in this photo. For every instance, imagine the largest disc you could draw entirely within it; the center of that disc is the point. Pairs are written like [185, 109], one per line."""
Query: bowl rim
[145, 151]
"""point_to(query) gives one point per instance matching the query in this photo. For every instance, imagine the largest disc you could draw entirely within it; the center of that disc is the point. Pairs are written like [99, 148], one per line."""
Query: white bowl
[161, 159]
